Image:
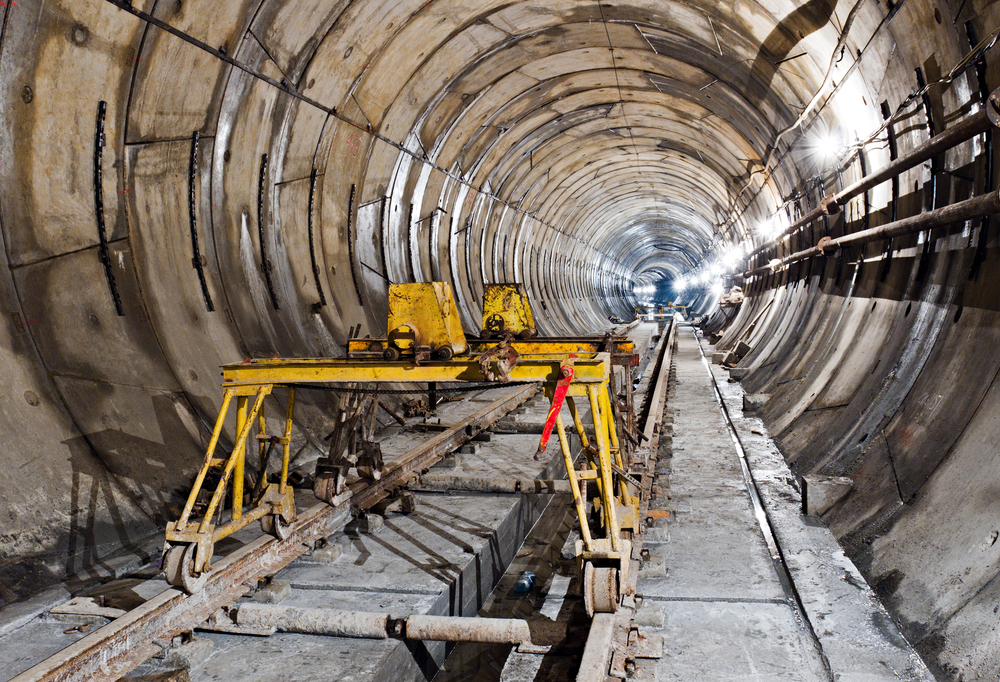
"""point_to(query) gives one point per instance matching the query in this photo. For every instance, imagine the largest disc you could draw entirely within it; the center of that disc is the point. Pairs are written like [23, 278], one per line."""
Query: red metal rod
[558, 396]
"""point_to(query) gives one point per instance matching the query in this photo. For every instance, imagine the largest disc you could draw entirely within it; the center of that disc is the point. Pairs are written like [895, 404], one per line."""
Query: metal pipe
[976, 207]
[447, 483]
[486, 630]
[313, 621]
[965, 129]
[365, 625]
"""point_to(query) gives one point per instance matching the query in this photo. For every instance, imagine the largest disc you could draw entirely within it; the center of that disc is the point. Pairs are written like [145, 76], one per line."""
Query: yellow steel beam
[543, 367]
[551, 345]
[556, 345]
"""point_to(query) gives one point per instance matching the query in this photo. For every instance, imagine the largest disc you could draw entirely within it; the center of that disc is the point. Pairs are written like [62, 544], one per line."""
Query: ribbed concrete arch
[579, 147]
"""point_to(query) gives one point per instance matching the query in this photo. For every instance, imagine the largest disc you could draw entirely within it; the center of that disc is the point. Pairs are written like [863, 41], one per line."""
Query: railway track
[133, 636]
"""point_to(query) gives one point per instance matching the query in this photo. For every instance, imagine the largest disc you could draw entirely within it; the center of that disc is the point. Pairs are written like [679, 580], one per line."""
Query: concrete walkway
[726, 615]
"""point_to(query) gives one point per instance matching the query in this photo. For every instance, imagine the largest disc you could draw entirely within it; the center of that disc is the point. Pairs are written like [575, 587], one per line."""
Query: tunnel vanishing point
[188, 183]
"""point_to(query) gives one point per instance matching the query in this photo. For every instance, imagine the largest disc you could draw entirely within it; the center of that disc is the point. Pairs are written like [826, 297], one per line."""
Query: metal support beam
[977, 207]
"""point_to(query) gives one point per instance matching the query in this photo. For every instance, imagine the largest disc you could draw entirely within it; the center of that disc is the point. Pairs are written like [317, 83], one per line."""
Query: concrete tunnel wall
[580, 148]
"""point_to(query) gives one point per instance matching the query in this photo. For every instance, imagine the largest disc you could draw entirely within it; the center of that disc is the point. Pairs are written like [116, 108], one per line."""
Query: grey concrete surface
[725, 614]
[855, 632]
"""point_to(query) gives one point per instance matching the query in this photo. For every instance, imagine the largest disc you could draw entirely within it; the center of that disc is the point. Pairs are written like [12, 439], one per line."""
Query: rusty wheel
[324, 486]
[172, 565]
[600, 589]
[274, 524]
[178, 568]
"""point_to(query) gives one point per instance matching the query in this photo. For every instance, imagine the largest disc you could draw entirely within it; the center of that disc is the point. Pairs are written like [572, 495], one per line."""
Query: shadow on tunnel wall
[793, 28]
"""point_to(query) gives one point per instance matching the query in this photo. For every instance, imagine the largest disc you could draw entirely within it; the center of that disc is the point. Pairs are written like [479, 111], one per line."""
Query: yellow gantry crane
[423, 323]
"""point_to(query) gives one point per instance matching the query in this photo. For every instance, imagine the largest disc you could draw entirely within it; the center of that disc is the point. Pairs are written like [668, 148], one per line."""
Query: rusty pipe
[486, 630]
[976, 207]
[365, 625]
[967, 128]
[446, 483]
[313, 621]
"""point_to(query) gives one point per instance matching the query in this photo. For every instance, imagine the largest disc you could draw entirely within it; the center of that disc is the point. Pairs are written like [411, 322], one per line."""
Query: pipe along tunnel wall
[581, 148]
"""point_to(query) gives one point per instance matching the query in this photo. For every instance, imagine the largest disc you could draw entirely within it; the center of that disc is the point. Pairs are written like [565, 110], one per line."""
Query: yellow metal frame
[277, 499]
[428, 317]
[542, 367]
[372, 348]
[509, 303]
[252, 381]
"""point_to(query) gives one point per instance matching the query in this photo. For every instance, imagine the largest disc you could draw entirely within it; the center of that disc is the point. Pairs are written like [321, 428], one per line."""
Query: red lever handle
[566, 373]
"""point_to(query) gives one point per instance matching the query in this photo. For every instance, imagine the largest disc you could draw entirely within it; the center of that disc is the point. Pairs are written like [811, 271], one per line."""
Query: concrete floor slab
[707, 641]
[855, 631]
[715, 549]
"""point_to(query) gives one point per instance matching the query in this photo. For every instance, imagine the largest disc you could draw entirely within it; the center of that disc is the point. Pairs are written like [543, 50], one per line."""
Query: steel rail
[976, 207]
[764, 524]
[609, 631]
[120, 646]
[967, 128]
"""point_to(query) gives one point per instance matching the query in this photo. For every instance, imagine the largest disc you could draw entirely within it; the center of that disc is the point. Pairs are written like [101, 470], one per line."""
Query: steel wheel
[178, 568]
[273, 524]
[600, 589]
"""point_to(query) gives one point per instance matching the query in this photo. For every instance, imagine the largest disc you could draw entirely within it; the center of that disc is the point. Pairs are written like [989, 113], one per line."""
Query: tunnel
[189, 183]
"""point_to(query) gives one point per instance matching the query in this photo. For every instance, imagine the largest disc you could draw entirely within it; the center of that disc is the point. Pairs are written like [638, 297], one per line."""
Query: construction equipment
[506, 311]
[604, 552]
[189, 544]
[423, 323]
[352, 444]
[659, 312]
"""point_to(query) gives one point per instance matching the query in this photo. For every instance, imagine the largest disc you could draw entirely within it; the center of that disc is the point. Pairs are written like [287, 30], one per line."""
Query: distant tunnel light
[732, 257]
[680, 284]
[826, 145]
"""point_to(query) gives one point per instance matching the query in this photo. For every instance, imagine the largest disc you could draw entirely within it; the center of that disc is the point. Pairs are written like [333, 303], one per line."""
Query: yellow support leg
[243, 422]
[579, 422]
[287, 444]
[574, 484]
[227, 396]
[604, 455]
[240, 454]
[626, 498]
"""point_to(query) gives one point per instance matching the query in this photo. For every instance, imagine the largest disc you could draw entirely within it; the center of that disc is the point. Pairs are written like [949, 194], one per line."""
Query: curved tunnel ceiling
[582, 148]
[571, 147]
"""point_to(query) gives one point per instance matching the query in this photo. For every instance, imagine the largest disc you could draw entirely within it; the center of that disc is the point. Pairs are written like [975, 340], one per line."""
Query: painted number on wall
[353, 145]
